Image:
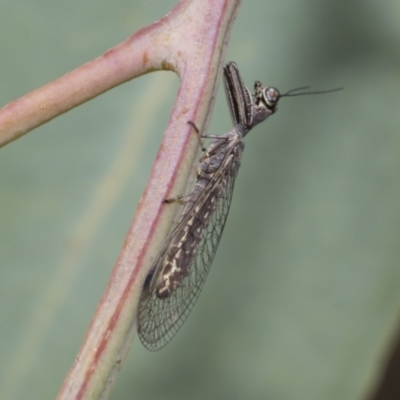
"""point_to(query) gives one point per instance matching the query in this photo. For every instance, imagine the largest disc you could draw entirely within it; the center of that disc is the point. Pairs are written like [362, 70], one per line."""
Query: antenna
[291, 94]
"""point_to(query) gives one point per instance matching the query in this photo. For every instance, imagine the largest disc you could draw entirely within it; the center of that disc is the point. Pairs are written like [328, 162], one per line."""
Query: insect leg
[204, 136]
[181, 199]
[196, 129]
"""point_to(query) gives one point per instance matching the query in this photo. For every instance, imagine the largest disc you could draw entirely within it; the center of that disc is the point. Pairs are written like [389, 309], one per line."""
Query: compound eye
[271, 96]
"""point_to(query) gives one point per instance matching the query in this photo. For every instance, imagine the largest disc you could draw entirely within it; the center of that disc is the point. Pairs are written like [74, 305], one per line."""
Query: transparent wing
[161, 318]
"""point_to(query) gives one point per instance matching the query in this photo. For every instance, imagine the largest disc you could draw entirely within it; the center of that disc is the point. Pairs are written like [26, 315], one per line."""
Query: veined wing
[161, 317]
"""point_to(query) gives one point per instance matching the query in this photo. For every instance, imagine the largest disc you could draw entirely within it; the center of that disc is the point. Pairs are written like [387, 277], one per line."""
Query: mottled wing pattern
[160, 318]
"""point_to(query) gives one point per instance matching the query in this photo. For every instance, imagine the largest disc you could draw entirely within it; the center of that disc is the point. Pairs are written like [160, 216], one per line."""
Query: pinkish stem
[191, 40]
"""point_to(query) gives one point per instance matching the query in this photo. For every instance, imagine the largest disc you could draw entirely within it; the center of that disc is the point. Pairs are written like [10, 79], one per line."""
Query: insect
[180, 270]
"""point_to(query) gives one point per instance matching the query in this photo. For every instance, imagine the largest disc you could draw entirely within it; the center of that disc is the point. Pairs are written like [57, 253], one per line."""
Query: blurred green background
[303, 298]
